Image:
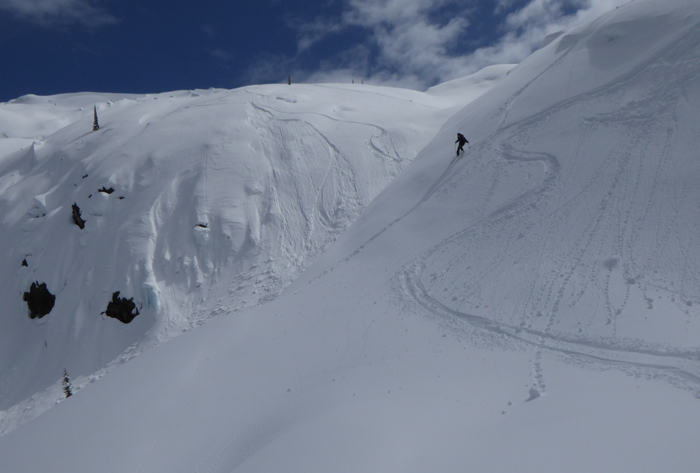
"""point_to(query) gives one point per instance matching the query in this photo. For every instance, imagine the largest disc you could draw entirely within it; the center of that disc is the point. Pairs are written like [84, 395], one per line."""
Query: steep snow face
[193, 203]
[572, 224]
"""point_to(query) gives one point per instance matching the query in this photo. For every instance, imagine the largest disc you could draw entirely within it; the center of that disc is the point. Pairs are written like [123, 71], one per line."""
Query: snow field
[531, 306]
[196, 203]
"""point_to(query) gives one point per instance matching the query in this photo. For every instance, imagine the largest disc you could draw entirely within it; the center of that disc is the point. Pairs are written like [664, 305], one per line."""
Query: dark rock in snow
[24, 262]
[77, 218]
[104, 190]
[39, 300]
[122, 309]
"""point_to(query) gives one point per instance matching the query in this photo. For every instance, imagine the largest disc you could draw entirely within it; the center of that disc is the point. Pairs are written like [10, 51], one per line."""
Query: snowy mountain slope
[529, 307]
[475, 84]
[195, 203]
[572, 225]
[595, 235]
[584, 208]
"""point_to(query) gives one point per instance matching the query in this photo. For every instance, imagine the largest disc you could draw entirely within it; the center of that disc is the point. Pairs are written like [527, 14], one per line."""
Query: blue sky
[139, 46]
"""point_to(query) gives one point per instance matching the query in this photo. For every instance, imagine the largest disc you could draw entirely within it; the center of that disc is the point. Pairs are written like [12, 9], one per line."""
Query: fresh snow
[220, 199]
[531, 306]
[472, 86]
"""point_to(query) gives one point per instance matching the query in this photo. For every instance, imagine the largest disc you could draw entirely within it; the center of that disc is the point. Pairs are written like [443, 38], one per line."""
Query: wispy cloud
[525, 28]
[58, 12]
[310, 33]
[209, 31]
[417, 43]
[221, 54]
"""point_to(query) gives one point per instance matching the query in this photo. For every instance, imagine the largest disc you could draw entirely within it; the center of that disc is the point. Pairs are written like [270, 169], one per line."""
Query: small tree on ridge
[95, 124]
[67, 389]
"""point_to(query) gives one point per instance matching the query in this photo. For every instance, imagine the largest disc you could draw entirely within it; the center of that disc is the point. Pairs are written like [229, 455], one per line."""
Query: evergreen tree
[95, 124]
[67, 390]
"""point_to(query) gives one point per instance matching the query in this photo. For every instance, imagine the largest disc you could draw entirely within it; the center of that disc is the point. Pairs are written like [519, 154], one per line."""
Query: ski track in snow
[333, 216]
[563, 241]
[339, 164]
[680, 367]
[610, 222]
[209, 247]
[612, 229]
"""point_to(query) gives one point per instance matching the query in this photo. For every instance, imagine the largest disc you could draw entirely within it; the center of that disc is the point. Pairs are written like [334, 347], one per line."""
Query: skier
[461, 140]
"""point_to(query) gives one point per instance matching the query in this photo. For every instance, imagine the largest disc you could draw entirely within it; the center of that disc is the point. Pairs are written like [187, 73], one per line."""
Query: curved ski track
[680, 367]
[612, 227]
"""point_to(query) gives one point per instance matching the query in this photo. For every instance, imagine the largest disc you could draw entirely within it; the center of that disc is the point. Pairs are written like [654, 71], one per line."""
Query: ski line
[679, 363]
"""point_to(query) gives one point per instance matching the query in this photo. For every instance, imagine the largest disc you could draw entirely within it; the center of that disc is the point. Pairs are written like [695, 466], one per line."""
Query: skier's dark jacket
[461, 139]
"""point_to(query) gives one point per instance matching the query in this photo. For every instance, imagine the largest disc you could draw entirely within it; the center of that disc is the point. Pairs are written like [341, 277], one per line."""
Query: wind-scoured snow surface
[531, 306]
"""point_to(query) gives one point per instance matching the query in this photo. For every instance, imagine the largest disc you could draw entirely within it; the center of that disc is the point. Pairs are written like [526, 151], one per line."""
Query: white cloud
[52, 12]
[412, 43]
[407, 41]
[221, 54]
[373, 12]
[504, 5]
[309, 34]
[525, 29]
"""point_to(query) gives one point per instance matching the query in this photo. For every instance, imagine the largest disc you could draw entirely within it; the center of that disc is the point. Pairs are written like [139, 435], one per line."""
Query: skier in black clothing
[462, 141]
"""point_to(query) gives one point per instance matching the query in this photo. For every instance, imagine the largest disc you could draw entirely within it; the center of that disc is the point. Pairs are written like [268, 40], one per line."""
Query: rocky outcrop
[39, 300]
[121, 308]
[77, 218]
